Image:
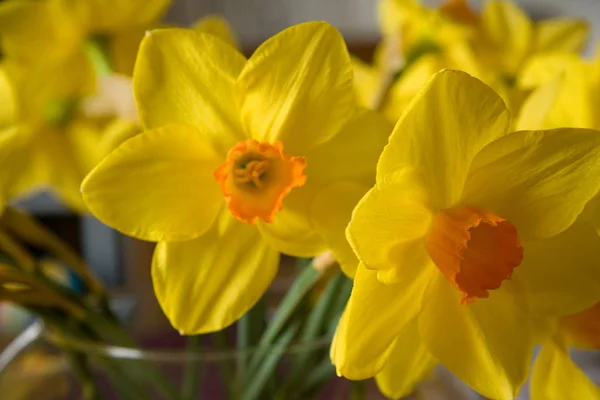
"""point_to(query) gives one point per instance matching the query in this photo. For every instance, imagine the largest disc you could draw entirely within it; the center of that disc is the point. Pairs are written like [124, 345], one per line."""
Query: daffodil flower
[555, 376]
[507, 41]
[8, 137]
[469, 243]
[241, 159]
[48, 142]
[418, 41]
[568, 96]
[55, 30]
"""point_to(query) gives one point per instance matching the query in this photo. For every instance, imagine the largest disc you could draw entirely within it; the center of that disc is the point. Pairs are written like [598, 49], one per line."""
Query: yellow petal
[217, 26]
[13, 159]
[352, 154]
[560, 275]
[408, 365]
[411, 82]
[33, 30]
[509, 29]
[365, 81]
[375, 315]
[297, 87]
[544, 68]
[566, 101]
[68, 155]
[291, 231]
[114, 133]
[206, 284]
[487, 344]
[331, 212]
[7, 99]
[561, 34]
[187, 77]
[442, 130]
[556, 377]
[112, 15]
[392, 216]
[38, 97]
[540, 181]
[57, 159]
[123, 48]
[157, 186]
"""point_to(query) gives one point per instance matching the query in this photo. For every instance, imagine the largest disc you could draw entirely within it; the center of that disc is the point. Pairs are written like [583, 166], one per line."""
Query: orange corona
[256, 177]
[475, 250]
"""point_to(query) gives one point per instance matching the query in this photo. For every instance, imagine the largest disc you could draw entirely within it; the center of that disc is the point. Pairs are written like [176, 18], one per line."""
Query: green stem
[248, 330]
[304, 282]
[82, 369]
[128, 387]
[96, 50]
[193, 371]
[143, 370]
[220, 341]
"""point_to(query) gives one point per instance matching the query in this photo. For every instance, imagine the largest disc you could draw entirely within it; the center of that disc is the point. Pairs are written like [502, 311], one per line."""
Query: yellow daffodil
[507, 41]
[50, 142]
[417, 42]
[555, 376]
[569, 97]
[469, 243]
[8, 138]
[55, 30]
[240, 159]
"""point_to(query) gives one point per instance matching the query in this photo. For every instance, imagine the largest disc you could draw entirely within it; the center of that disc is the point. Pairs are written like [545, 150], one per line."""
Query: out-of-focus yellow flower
[506, 41]
[496, 45]
[417, 42]
[469, 240]
[555, 376]
[56, 30]
[569, 98]
[240, 159]
[49, 142]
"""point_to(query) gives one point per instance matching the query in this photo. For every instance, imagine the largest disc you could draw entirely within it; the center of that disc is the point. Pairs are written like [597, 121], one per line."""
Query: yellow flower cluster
[471, 236]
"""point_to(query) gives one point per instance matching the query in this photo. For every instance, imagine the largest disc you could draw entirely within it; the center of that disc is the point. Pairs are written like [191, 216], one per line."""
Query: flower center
[475, 249]
[256, 177]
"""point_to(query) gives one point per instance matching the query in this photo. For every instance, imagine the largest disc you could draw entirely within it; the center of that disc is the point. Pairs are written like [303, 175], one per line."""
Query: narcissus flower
[555, 375]
[48, 141]
[56, 30]
[568, 98]
[507, 41]
[417, 42]
[240, 159]
[468, 242]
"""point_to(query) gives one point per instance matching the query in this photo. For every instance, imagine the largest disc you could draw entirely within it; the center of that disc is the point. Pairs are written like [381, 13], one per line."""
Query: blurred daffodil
[568, 97]
[418, 41]
[55, 30]
[468, 242]
[496, 45]
[49, 142]
[555, 375]
[240, 159]
[507, 41]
